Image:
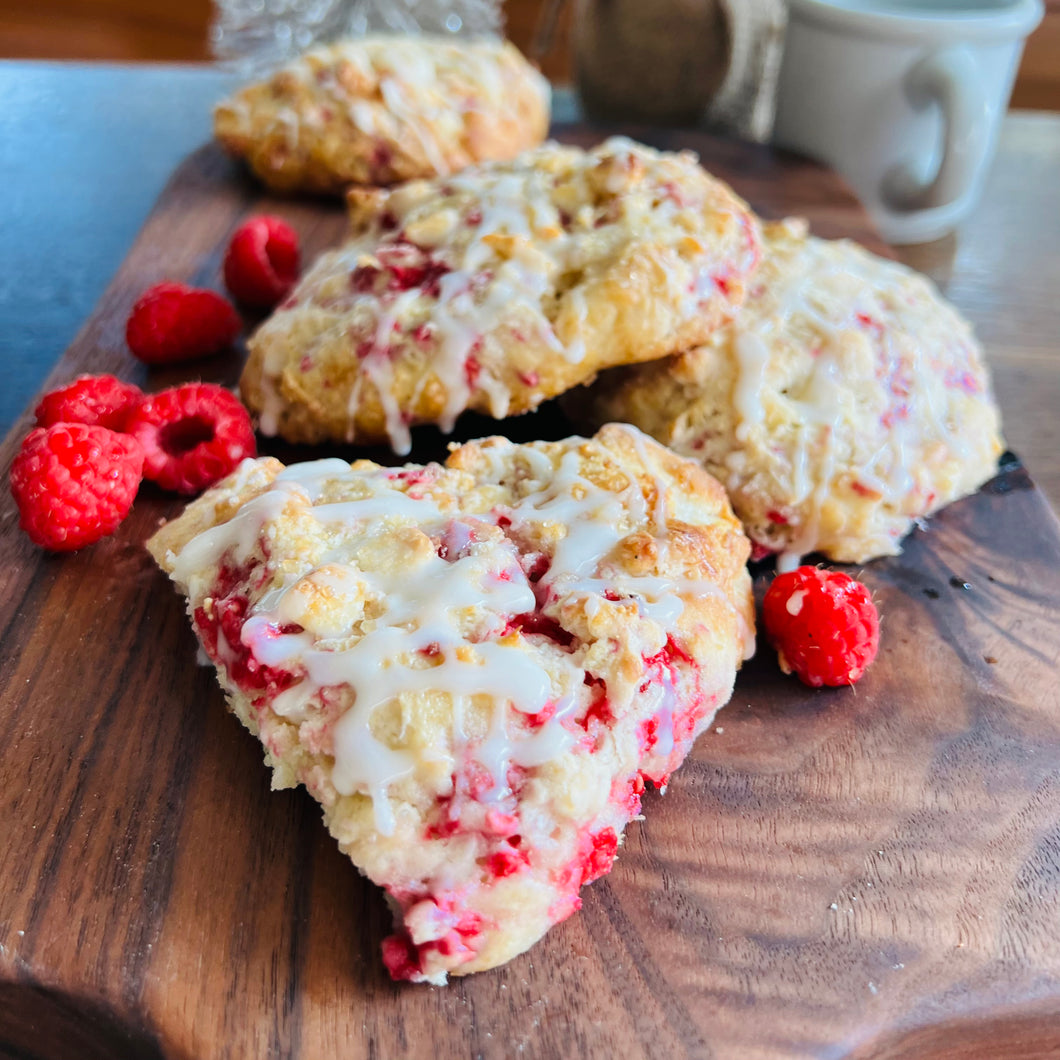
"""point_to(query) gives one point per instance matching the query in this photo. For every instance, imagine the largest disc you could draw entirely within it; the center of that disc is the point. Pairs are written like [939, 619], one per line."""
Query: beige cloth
[746, 102]
[677, 62]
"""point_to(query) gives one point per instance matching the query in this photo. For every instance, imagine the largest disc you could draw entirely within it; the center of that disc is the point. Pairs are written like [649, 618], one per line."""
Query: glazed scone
[846, 400]
[384, 109]
[472, 667]
[498, 288]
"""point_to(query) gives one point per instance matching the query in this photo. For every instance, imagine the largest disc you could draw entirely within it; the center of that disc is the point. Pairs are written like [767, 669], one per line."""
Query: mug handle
[948, 77]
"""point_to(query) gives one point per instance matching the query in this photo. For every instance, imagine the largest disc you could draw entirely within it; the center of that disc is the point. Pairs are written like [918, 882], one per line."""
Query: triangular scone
[472, 667]
[844, 401]
[498, 288]
[382, 109]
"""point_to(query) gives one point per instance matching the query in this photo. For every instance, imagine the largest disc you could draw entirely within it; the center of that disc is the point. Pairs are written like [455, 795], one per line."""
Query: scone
[846, 400]
[498, 288]
[383, 109]
[472, 667]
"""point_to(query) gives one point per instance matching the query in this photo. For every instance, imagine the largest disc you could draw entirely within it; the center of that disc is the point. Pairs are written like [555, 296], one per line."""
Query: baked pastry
[498, 288]
[378, 110]
[472, 667]
[846, 400]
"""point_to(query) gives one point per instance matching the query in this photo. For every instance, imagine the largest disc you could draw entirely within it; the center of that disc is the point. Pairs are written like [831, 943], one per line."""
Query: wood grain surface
[870, 874]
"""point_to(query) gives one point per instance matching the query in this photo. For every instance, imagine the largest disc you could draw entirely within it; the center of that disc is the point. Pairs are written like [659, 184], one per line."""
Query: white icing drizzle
[839, 295]
[288, 119]
[596, 520]
[753, 356]
[504, 255]
[427, 85]
[434, 627]
[239, 535]
[312, 475]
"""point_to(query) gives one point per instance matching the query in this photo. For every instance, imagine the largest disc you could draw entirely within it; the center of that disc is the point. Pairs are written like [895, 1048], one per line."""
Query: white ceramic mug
[904, 98]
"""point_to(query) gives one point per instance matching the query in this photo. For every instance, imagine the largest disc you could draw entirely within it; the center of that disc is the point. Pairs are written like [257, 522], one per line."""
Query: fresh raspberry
[192, 436]
[261, 263]
[74, 483]
[101, 400]
[174, 322]
[823, 624]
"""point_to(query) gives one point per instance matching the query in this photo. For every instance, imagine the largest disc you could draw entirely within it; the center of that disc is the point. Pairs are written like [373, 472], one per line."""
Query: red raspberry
[823, 624]
[261, 263]
[174, 322]
[102, 400]
[74, 483]
[192, 435]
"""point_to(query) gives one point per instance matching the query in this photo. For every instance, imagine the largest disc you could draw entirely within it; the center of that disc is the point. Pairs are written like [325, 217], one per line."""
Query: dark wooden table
[890, 855]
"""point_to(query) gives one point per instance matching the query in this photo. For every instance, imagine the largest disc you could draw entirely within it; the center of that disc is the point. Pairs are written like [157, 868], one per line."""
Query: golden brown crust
[471, 666]
[381, 110]
[214, 508]
[846, 400]
[498, 289]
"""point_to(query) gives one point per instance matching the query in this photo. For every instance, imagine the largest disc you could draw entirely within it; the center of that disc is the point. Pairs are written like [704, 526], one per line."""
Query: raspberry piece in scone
[824, 625]
[192, 435]
[474, 666]
[261, 263]
[102, 400]
[173, 322]
[74, 483]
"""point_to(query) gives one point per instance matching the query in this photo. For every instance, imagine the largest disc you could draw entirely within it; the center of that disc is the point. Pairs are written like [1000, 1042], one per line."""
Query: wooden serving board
[864, 874]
